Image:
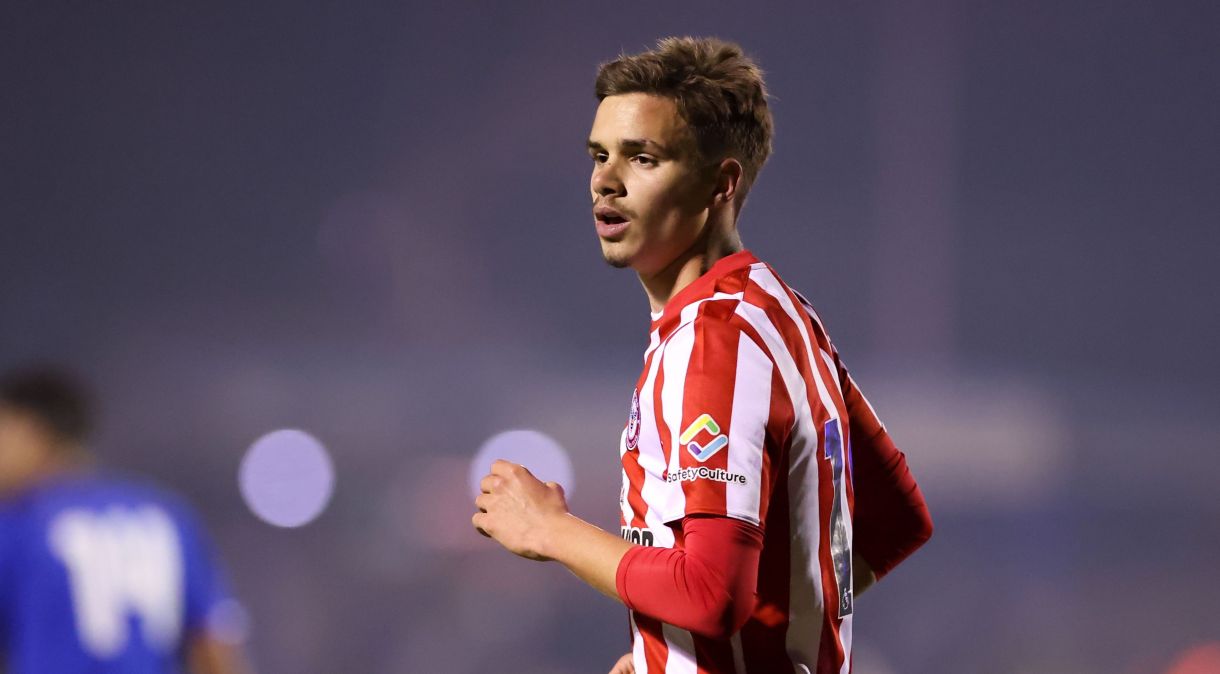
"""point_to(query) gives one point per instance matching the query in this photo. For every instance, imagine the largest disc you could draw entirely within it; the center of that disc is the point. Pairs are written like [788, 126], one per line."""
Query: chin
[616, 256]
[617, 263]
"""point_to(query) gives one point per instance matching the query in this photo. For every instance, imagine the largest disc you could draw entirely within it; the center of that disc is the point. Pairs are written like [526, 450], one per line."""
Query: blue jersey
[99, 574]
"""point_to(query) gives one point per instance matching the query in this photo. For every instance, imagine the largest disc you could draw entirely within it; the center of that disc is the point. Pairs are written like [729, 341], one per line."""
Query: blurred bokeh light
[538, 452]
[287, 478]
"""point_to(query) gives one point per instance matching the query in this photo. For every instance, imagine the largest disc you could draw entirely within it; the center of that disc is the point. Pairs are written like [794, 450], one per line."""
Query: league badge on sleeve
[633, 421]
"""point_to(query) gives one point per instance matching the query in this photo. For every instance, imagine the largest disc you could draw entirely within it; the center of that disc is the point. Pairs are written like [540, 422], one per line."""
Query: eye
[644, 160]
[598, 157]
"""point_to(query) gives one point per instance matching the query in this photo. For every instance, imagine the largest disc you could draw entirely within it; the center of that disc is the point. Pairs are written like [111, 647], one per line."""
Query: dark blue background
[371, 222]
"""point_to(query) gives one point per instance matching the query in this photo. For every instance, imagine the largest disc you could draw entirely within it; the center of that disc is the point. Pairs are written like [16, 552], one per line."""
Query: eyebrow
[631, 144]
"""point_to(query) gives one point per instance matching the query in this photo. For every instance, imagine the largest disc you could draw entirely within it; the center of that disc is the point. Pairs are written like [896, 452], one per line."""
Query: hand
[625, 665]
[518, 510]
[862, 576]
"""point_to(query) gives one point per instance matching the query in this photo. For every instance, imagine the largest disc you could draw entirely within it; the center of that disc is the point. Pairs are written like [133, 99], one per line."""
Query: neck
[714, 244]
[59, 462]
[46, 469]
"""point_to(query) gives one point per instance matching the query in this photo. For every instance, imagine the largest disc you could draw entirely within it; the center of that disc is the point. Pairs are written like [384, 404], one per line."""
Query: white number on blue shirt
[121, 562]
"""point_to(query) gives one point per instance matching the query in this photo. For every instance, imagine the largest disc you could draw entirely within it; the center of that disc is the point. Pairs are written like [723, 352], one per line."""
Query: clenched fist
[519, 510]
[625, 665]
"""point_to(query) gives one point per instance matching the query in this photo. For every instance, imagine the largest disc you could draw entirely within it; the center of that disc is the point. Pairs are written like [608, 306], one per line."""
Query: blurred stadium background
[370, 223]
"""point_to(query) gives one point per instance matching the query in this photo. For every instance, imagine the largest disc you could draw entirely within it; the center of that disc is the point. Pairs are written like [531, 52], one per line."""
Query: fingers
[625, 665]
[490, 483]
[480, 522]
[482, 502]
[503, 468]
[556, 487]
[507, 469]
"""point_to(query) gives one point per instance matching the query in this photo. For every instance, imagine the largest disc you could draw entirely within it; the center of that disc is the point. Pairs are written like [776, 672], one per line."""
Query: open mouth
[610, 223]
[611, 216]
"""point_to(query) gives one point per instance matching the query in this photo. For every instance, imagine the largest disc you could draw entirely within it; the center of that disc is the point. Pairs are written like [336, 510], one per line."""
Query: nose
[605, 181]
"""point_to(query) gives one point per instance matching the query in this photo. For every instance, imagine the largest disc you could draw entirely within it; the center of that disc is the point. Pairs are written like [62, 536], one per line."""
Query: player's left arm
[862, 575]
[891, 519]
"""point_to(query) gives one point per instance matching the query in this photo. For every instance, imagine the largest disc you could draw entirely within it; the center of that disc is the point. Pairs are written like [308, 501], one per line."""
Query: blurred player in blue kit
[98, 573]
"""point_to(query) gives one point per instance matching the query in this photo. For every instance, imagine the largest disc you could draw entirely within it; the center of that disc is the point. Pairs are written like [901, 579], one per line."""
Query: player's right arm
[732, 416]
[705, 587]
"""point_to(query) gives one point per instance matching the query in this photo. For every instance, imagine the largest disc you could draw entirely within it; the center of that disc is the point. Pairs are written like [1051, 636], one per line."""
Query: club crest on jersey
[703, 452]
[633, 421]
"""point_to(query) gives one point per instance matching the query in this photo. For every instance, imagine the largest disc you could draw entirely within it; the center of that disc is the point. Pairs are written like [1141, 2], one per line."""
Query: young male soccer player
[97, 574]
[760, 492]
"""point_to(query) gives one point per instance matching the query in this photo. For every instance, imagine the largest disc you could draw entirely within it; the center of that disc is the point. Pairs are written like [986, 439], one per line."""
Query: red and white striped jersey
[740, 411]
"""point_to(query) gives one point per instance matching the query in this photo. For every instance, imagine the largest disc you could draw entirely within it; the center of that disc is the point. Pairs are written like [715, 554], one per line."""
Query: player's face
[650, 194]
[20, 449]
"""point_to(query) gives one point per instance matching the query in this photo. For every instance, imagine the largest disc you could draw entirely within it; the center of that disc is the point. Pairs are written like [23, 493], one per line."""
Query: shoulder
[750, 301]
[717, 318]
[722, 344]
[777, 310]
[141, 490]
[9, 515]
[109, 488]
[143, 494]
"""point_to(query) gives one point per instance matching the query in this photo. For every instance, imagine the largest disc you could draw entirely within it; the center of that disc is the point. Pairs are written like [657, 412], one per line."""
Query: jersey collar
[700, 287]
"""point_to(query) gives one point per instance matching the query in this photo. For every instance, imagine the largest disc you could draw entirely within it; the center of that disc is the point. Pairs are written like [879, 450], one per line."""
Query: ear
[729, 175]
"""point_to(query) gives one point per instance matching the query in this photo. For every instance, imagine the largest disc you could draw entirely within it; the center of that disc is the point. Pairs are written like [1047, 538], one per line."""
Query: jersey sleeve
[706, 586]
[721, 399]
[890, 518]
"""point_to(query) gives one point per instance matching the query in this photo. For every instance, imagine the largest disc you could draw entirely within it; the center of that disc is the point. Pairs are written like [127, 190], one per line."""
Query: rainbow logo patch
[704, 422]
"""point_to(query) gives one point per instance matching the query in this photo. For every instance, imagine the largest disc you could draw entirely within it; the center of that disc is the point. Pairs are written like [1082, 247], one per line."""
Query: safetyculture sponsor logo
[704, 422]
[704, 473]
